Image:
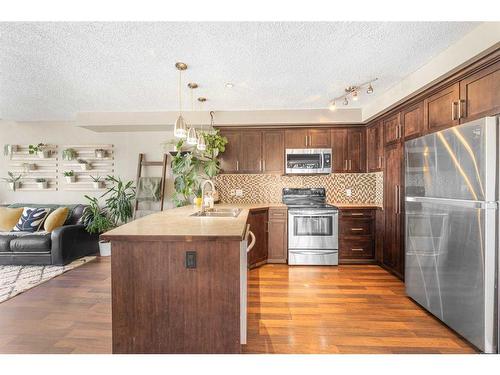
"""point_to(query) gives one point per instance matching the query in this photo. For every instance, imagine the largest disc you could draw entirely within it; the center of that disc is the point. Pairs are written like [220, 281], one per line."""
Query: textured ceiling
[51, 71]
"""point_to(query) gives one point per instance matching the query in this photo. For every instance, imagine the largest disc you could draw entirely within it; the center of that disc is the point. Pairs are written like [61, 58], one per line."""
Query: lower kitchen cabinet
[356, 235]
[277, 236]
[258, 220]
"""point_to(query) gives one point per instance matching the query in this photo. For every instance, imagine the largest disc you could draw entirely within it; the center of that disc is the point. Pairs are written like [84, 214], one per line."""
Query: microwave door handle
[322, 161]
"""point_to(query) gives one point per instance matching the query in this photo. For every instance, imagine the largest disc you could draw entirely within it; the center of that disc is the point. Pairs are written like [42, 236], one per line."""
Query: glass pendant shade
[191, 137]
[201, 146]
[180, 128]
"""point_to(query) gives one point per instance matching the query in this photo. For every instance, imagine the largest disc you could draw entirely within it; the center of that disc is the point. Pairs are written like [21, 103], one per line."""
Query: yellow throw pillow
[56, 219]
[9, 218]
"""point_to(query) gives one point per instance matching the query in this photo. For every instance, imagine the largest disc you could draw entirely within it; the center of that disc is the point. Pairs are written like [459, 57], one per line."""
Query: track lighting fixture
[180, 125]
[369, 90]
[346, 102]
[201, 145]
[192, 138]
[353, 93]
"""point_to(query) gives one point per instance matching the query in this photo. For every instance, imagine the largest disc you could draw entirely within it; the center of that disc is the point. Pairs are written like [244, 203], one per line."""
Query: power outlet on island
[348, 192]
[238, 192]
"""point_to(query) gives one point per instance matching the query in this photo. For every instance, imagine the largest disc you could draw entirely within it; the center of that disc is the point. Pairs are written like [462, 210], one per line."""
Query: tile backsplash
[257, 188]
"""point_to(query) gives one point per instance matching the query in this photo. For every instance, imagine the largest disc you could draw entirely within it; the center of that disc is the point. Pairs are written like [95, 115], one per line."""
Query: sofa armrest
[70, 242]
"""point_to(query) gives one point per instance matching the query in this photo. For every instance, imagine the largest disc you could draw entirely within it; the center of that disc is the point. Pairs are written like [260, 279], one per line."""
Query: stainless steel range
[312, 227]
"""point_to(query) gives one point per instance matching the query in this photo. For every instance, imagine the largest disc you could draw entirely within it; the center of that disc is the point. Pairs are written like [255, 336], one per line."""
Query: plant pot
[42, 154]
[70, 179]
[97, 185]
[105, 248]
[14, 185]
[84, 167]
[100, 154]
[42, 185]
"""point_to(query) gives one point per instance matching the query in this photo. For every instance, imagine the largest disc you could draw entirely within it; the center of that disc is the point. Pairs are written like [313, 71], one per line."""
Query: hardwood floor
[346, 309]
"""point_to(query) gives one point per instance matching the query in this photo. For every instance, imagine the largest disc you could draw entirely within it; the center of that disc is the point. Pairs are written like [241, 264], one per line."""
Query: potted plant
[84, 164]
[8, 150]
[41, 150]
[96, 220]
[69, 154]
[100, 153]
[70, 176]
[13, 181]
[96, 182]
[192, 167]
[41, 183]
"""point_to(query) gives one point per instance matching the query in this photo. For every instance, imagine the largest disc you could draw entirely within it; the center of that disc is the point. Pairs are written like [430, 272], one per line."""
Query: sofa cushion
[9, 217]
[5, 242]
[32, 219]
[74, 215]
[56, 219]
[31, 243]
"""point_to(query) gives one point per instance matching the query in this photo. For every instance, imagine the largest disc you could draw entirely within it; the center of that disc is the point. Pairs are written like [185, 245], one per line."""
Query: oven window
[313, 226]
[304, 160]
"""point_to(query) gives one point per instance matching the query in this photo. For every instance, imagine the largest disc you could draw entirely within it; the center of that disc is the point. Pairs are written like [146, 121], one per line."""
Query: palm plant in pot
[14, 181]
[117, 209]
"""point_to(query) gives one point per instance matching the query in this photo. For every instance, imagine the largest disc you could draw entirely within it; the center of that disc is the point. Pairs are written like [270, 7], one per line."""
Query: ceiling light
[333, 106]
[201, 145]
[355, 95]
[192, 138]
[180, 124]
[369, 90]
[229, 85]
[346, 102]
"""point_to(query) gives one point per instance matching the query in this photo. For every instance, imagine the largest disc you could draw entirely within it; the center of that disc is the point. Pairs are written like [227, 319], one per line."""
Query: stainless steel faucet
[203, 193]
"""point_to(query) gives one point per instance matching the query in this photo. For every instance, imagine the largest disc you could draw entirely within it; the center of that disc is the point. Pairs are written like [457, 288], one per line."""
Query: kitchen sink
[219, 212]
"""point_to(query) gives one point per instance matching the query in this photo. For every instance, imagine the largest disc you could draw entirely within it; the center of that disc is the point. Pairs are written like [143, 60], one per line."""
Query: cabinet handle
[453, 115]
[400, 130]
[356, 229]
[356, 249]
[260, 165]
[380, 161]
[263, 165]
[357, 214]
[459, 105]
[396, 199]
[306, 140]
[237, 165]
[345, 163]
[350, 164]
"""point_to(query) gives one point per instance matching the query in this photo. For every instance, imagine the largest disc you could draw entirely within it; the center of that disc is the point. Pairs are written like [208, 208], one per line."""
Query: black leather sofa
[62, 246]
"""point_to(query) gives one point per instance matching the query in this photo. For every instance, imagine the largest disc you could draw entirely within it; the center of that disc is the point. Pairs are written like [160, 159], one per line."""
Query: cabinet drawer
[356, 227]
[357, 213]
[356, 249]
[277, 214]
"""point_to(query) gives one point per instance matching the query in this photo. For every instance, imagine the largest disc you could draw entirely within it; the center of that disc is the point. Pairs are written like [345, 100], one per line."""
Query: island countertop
[177, 224]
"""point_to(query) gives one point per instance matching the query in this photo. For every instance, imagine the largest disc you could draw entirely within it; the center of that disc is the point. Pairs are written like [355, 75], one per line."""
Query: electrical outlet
[348, 192]
[239, 192]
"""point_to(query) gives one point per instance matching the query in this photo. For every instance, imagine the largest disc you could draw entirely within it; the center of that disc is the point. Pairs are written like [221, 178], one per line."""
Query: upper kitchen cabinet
[375, 147]
[229, 159]
[250, 156]
[441, 110]
[392, 128]
[413, 121]
[273, 151]
[307, 138]
[480, 94]
[348, 149]
[296, 138]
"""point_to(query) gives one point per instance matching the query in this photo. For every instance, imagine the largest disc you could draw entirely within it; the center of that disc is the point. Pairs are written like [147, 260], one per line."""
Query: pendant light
[201, 146]
[180, 124]
[192, 139]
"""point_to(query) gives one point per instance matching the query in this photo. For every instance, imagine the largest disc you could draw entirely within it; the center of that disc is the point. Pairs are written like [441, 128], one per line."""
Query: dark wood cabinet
[379, 233]
[278, 240]
[356, 236]
[250, 155]
[258, 220]
[296, 138]
[392, 128]
[393, 252]
[356, 150]
[413, 121]
[229, 158]
[319, 138]
[374, 147]
[441, 109]
[273, 151]
[480, 94]
[339, 150]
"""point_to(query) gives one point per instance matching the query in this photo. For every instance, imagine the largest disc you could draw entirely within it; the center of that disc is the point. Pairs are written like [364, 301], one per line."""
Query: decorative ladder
[144, 163]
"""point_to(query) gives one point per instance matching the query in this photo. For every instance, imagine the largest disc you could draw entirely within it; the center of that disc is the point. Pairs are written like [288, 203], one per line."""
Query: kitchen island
[179, 282]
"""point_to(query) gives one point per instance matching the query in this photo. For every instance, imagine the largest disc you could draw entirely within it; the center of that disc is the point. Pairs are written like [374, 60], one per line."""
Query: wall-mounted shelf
[100, 166]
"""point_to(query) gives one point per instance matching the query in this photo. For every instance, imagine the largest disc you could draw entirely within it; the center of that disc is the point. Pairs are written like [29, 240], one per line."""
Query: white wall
[127, 147]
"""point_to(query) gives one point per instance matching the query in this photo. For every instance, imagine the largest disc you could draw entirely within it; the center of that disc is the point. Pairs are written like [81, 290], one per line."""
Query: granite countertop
[177, 224]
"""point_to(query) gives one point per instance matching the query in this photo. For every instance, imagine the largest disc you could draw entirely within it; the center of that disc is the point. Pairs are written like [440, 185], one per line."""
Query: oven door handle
[312, 213]
[313, 252]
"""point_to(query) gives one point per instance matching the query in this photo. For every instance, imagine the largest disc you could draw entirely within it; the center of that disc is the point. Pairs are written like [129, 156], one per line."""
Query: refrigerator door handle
[454, 202]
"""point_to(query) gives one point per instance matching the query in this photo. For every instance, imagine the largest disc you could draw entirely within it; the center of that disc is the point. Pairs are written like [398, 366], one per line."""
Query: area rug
[18, 279]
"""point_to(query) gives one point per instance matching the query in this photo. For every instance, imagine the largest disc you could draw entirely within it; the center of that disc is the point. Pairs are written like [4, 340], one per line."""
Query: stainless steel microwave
[308, 160]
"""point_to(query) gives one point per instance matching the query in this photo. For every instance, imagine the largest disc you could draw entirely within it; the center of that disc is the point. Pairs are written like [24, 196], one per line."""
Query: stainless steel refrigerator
[452, 228]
